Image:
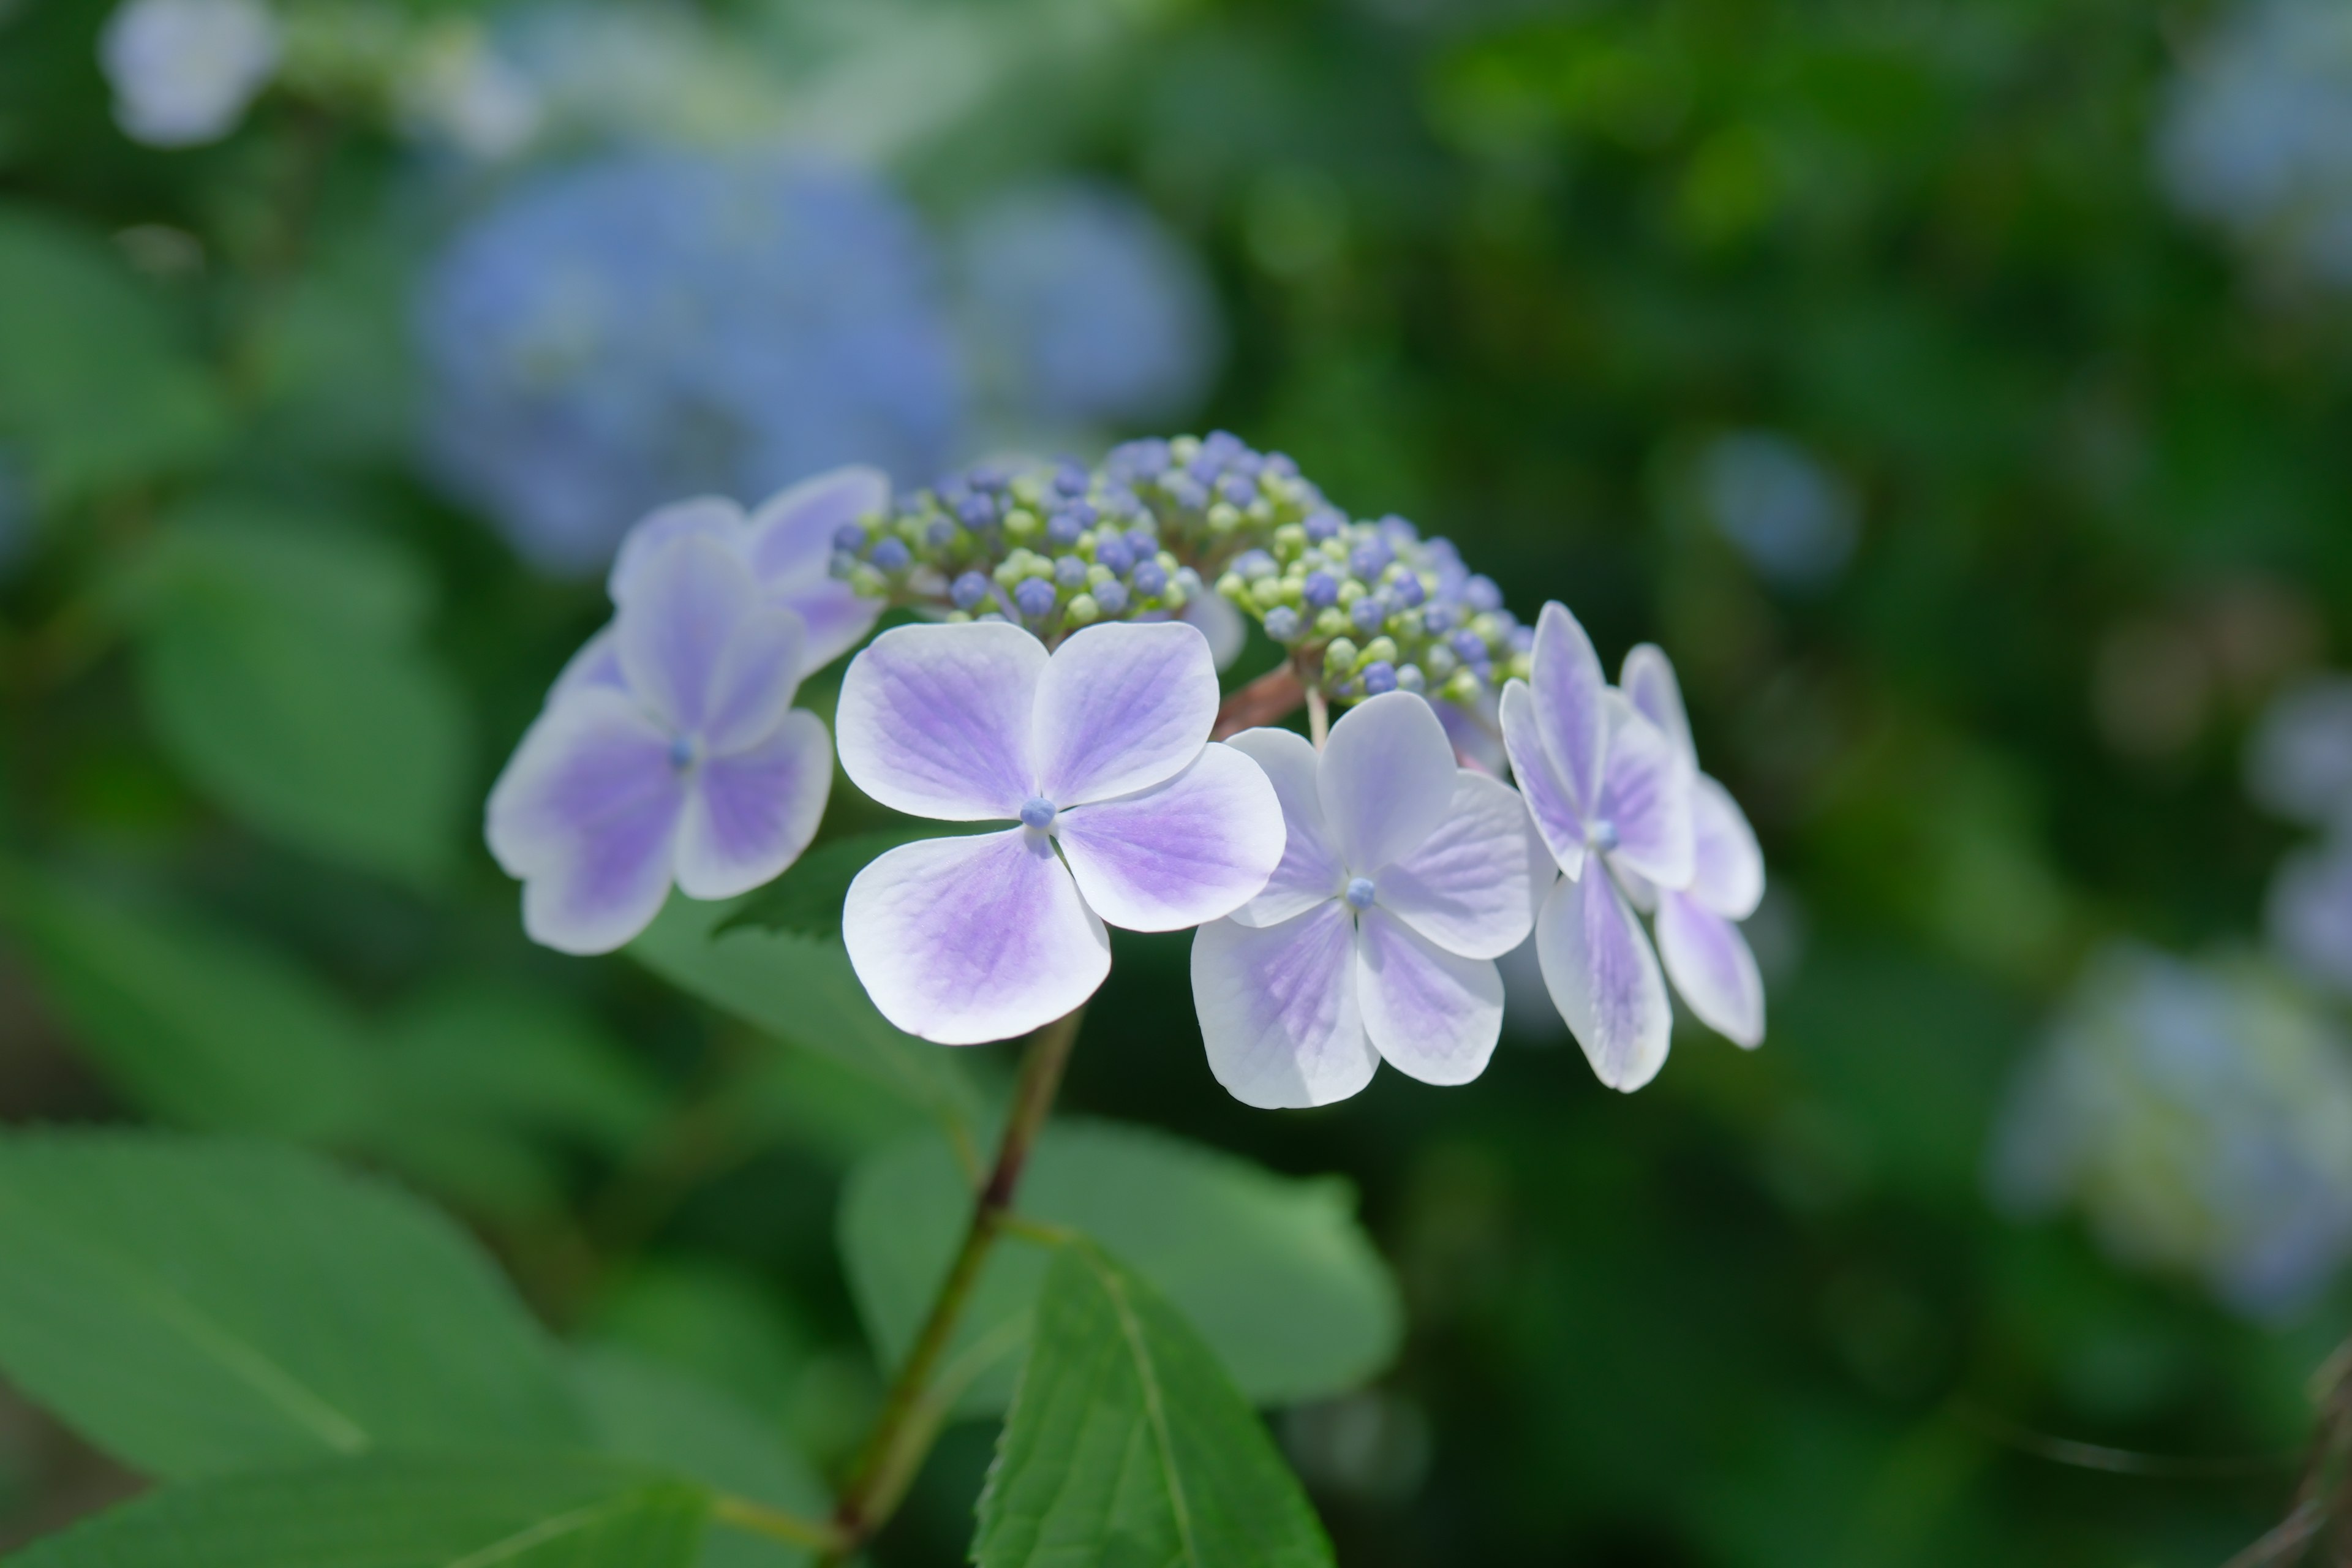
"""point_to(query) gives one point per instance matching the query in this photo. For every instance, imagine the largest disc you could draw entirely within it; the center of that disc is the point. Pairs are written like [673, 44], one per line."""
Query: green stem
[774, 1522]
[911, 1419]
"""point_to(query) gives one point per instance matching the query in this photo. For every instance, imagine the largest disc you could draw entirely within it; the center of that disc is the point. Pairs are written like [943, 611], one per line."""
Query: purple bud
[1204, 470]
[939, 535]
[1254, 564]
[892, 554]
[1236, 489]
[1321, 591]
[1035, 597]
[1111, 596]
[1070, 572]
[988, 476]
[1062, 530]
[1282, 624]
[1481, 593]
[849, 536]
[1370, 558]
[1134, 461]
[1083, 511]
[1323, 525]
[1070, 479]
[1523, 639]
[1151, 579]
[1436, 619]
[1408, 591]
[1223, 445]
[1369, 613]
[1397, 530]
[976, 510]
[1187, 492]
[1112, 552]
[1379, 678]
[1280, 464]
[1143, 541]
[1468, 646]
[970, 591]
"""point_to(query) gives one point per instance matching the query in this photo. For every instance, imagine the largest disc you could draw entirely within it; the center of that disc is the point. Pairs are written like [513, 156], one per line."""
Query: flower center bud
[1601, 835]
[1360, 892]
[683, 752]
[1037, 812]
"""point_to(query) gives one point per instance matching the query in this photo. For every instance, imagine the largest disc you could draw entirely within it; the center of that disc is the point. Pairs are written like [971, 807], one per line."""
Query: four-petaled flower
[1604, 784]
[1403, 877]
[691, 764]
[1124, 813]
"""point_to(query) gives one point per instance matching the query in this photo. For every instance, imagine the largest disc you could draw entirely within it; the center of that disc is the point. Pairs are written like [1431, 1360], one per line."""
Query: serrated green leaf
[197, 1306]
[1273, 1272]
[474, 1512]
[1127, 1444]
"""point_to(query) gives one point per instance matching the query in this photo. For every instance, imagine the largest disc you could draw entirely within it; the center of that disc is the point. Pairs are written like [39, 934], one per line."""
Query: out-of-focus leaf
[361, 583]
[715, 1323]
[1273, 1272]
[817, 1105]
[197, 1306]
[195, 1024]
[1128, 1445]
[506, 1055]
[400, 1512]
[95, 386]
[643, 1411]
[807, 899]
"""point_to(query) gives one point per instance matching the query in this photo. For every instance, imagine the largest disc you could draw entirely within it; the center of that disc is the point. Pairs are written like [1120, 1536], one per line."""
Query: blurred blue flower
[1791, 517]
[2200, 1116]
[183, 71]
[654, 325]
[2299, 761]
[1084, 308]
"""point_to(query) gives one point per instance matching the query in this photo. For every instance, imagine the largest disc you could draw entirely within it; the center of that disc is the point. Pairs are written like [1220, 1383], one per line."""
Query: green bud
[1231, 586]
[1173, 596]
[1098, 575]
[1166, 563]
[1082, 610]
[867, 581]
[1380, 650]
[1330, 622]
[1008, 573]
[1289, 541]
[1439, 661]
[1340, 657]
[1266, 592]
[1084, 548]
[1021, 523]
[1463, 687]
[1261, 511]
[1523, 666]
[1488, 629]
[1409, 678]
[958, 617]
[1350, 592]
[1182, 449]
[1223, 518]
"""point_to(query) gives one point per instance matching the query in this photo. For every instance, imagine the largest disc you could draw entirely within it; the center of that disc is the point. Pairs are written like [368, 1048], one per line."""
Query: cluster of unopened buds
[1351, 888]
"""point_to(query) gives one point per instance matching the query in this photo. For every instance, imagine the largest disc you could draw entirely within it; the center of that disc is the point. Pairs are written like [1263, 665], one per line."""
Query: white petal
[1386, 779]
[594, 756]
[1433, 1015]
[966, 940]
[1711, 966]
[837, 616]
[935, 721]
[1311, 871]
[1604, 979]
[1728, 866]
[1568, 713]
[598, 663]
[753, 686]
[1122, 707]
[749, 813]
[1220, 623]
[1548, 803]
[1646, 795]
[1647, 679]
[1474, 885]
[686, 600]
[1278, 1009]
[712, 517]
[791, 536]
[1193, 849]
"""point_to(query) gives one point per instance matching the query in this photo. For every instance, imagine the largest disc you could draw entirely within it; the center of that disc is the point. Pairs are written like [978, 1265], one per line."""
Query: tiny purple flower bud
[1112, 552]
[1481, 593]
[1204, 470]
[1254, 564]
[849, 536]
[1236, 489]
[892, 554]
[1186, 491]
[1281, 466]
[1282, 624]
[1083, 512]
[1070, 479]
[990, 477]
[1137, 460]
[1360, 892]
[976, 510]
[939, 535]
[1062, 530]
[1436, 619]
[1035, 597]
[1323, 525]
[1379, 679]
[1409, 591]
[1143, 541]
[1224, 445]
[1369, 613]
[1468, 646]
[1110, 597]
[1069, 572]
[1321, 591]
[1370, 559]
[1397, 530]
[970, 591]
[1151, 579]
[1037, 812]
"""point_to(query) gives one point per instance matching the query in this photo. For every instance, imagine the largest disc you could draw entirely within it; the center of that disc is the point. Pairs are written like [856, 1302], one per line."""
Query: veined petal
[838, 617]
[1311, 871]
[598, 663]
[935, 721]
[1709, 961]
[1226, 631]
[712, 517]
[749, 813]
[1568, 709]
[1433, 1015]
[608, 886]
[1554, 813]
[1646, 795]
[1278, 1009]
[1386, 780]
[1647, 679]
[753, 686]
[791, 535]
[1193, 849]
[1604, 979]
[1474, 885]
[1728, 874]
[1120, 708]
[686, 599]
[594, 757]
[966, 940]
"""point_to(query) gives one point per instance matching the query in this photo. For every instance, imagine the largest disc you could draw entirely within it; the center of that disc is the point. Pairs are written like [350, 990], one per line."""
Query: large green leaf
[400, 1512]
[195, 1306]
[192, 1022]
[1275, 1272]
[1127, 1446]
[502, 1053]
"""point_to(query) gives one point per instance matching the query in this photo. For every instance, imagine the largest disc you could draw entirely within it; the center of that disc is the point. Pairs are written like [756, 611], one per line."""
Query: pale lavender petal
[592, 757]
[1278, 1009]
[1604, 979]
[1647, 679]
[966, 940]
[610, 887]
[1311, 871]
[758, 672]
[1729, 867]
[1433, 1015]
[598, 663]
[1193, 849]
[791, 534]
[1122, 707]
[1386, 780]
[935, 721]
[686, 600]
[711, 517]
[1220, 623]
[1477, 733]
[1548, 805]
[1474, 885]
[1645, 797]
[1569, 712]
[837, 616]
[749, 813]
[1711, 967]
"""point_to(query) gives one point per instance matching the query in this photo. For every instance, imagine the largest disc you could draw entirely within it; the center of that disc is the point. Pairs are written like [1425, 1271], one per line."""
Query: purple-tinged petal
[711, 517]
[686, 600]
[1728, 874]
[1474, 885]
[1386, 780]
[749, 813]
[1604, 979]
[1221, 624]
[935, 721]
[1311, 871]
[1569, 712]
[1646, 798]
[1711, 967]
[758, 672]
[1548, 803]
[1647, 679]
[1278, 1009]
[594, 757]
[1433, 1015]
[598, 663]
[792, 534]
[1193, 849]
[966, 940]
[1122, 707]
[1477, 733]
[837, 616]
[610, 888]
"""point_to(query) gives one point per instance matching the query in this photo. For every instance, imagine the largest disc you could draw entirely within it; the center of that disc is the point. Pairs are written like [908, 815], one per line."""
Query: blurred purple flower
[183, 71]
[2299, 763]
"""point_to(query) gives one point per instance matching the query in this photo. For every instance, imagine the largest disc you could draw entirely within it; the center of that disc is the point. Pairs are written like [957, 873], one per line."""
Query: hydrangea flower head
[1121, 810]
[690, 767]
[1403, 877]
[183, 70]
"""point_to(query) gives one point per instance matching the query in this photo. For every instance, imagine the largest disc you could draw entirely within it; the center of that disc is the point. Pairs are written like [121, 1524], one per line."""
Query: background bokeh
[1961, 390]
